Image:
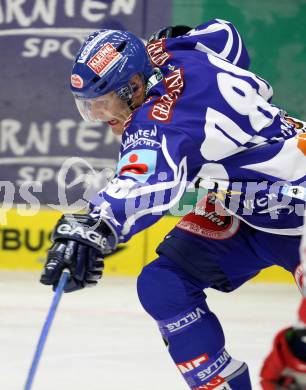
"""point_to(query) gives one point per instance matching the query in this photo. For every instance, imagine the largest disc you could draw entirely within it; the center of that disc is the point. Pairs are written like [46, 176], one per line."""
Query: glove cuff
[87, 230]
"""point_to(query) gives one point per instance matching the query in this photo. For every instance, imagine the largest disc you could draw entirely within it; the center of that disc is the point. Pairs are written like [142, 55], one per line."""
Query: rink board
[24, 240]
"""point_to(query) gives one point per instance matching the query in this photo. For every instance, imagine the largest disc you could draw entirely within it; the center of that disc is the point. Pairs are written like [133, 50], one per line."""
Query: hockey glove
[169, 32]
[79, 244]
[285, 367]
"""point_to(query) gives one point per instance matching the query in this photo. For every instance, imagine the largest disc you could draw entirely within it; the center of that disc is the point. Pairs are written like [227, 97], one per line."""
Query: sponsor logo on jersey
[104, 59]
[210, 370]
[76, 81]
[207, 220]
[297, 192]
[276, 210]
[157, 52]
[141, 137]
[90, 235]
[163, 106]
[192, 364]
[139, 164]
[217, 383]
[262, 202]
[185, 321]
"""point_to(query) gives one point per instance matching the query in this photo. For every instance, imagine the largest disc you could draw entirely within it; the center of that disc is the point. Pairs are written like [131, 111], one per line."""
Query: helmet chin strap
[130, 103]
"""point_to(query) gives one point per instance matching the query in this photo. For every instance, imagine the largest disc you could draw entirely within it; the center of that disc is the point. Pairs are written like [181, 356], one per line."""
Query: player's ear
[138, 85]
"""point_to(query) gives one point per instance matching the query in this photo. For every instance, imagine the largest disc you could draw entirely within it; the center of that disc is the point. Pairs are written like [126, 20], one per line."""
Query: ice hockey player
[191, 115]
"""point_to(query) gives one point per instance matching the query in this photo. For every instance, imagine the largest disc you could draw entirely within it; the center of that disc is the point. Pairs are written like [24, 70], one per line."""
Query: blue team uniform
[207, 122]
[212, 120]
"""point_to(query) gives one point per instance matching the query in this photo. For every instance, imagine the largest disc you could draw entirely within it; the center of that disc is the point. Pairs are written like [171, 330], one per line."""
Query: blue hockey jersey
[207, 121]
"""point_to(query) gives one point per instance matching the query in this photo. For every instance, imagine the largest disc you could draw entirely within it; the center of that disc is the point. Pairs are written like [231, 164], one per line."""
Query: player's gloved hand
[285, 366]
[79, 244]
[169, 32]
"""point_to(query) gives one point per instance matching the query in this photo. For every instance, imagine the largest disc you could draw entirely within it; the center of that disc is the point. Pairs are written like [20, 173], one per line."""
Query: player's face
[108, 108]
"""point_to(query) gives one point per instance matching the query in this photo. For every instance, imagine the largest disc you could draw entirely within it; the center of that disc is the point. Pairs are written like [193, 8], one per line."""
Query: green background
[274, 32]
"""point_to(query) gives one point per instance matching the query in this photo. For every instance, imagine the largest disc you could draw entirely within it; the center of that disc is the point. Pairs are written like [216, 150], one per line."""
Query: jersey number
[244, 99]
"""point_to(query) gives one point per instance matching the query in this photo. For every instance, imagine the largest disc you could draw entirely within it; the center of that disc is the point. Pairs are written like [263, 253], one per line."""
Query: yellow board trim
[24, 241]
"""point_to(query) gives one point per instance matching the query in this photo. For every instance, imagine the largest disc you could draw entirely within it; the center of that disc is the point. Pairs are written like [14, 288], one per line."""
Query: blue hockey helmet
[106, 62]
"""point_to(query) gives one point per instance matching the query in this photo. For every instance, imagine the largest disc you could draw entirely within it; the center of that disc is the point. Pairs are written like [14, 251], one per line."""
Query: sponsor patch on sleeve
[139, 164]
[141, 137]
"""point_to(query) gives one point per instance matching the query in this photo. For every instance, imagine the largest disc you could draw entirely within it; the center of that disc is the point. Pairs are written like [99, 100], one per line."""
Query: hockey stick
[45, 330]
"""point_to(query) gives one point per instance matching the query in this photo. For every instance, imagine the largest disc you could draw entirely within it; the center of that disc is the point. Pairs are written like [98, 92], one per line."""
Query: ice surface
[102, 339]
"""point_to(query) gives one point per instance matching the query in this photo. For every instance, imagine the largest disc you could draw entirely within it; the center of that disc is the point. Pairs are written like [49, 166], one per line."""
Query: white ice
[102, 339]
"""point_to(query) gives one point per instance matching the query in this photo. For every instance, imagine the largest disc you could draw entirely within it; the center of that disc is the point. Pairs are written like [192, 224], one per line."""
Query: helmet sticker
[91, 44]
[76, 81]
[104, 59]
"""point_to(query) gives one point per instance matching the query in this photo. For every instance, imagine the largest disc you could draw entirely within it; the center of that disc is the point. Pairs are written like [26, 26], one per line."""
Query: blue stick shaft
[46, 328]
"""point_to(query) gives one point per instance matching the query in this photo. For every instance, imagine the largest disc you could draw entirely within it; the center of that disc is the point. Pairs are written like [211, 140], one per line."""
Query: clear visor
[100, 109]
